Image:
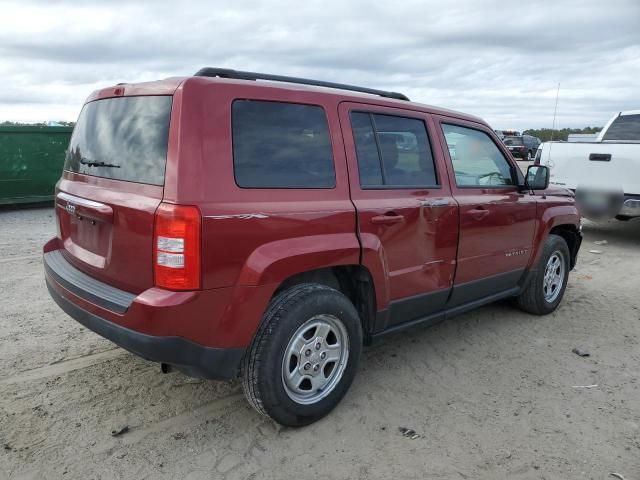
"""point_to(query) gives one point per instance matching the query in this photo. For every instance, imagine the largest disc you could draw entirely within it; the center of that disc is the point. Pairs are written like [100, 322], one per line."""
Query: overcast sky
[500, 62]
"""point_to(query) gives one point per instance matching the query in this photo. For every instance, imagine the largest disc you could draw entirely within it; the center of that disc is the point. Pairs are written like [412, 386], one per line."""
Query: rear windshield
[624, 128]
[513, 141]
[122, 138]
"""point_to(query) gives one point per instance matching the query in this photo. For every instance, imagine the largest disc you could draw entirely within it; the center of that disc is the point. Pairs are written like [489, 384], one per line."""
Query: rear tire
[548, 282]
[304, 356]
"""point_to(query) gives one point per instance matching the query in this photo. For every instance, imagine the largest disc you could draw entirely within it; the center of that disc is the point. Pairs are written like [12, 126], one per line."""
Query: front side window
[624, 128]
[392, 151]
[281, 145]
[477, 161]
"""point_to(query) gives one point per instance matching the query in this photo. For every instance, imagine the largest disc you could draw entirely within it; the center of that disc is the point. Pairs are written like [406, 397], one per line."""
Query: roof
[158, 87]
[344, 95]
[168, 87]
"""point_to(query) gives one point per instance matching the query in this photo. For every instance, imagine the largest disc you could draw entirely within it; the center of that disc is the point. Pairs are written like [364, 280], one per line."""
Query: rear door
[497, 222]
[403, 201]
[111, 186]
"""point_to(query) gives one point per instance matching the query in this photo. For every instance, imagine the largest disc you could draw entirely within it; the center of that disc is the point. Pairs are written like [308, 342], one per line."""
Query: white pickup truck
[609, 167]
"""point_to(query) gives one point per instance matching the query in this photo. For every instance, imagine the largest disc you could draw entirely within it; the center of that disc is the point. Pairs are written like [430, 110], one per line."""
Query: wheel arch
[274, 262]
[354, 281]
[571, 234]
[562, 220]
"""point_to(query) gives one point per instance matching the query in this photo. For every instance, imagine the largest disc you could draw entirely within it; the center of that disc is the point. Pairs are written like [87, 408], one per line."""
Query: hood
[558, 191]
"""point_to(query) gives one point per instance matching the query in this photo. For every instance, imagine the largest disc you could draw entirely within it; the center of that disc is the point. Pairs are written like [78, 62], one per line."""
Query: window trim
[385, 186]
[478, 187]
[383, 173]
[233, 150]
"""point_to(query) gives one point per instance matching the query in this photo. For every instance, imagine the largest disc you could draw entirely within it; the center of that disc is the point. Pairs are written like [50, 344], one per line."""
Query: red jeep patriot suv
[237, 224]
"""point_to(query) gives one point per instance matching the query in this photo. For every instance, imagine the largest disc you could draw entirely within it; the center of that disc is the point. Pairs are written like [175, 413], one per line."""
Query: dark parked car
[523, 146]
[234, 227]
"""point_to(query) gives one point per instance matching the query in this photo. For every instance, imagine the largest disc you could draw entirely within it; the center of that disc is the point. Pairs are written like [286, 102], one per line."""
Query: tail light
[176, 245]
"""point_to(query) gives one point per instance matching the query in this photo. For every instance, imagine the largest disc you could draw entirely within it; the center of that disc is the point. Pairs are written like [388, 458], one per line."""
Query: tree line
[546, 134]
[36, 124]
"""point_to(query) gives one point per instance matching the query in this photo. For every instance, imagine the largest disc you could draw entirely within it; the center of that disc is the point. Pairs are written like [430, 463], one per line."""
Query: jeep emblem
[70, 208]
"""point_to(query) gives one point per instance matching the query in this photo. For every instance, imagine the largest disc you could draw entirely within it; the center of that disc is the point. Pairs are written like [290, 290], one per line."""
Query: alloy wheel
[315, 359]
[553, 277]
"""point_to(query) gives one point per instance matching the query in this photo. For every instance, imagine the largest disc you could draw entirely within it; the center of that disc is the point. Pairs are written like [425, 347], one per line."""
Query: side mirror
[537, 177]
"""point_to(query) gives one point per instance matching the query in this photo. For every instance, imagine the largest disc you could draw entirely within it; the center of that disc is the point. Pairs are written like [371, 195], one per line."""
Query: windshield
[624, 128]
[122, 138]
[513, 141]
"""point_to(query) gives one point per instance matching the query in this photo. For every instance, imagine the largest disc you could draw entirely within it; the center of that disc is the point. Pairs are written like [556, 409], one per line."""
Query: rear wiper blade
[93, 163]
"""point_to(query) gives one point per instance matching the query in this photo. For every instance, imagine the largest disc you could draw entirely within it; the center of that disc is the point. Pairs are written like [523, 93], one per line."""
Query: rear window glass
[281, 145]
[513, 141]
[122, 138]
[624, 128]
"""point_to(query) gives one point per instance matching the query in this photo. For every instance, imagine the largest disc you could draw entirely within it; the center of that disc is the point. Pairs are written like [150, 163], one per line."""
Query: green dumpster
[31, 160]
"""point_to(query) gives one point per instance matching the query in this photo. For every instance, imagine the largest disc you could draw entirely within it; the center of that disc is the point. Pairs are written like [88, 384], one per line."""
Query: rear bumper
[202, 333]
[188, 357]
[630, 206]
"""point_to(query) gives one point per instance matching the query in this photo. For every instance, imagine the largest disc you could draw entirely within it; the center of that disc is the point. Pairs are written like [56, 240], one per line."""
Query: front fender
[276, 261]
[552, 216]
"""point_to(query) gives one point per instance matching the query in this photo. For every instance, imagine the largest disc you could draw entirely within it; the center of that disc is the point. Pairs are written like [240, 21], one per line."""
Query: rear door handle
[387, 219]
[478, 213]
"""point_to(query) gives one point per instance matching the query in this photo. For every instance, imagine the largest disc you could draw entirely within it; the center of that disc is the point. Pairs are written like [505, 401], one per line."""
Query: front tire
[548, 282]
[304, 356]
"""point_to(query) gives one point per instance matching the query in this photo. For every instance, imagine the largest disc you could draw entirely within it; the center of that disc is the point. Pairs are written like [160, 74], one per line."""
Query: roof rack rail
[237, 74]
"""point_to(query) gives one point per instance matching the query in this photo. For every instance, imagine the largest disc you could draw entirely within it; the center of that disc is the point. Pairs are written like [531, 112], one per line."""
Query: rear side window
[392, 151]
[624, 128]
[281, 145]
[122, 138]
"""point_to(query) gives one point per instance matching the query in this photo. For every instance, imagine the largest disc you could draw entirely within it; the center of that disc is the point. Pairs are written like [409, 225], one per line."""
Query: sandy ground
[492, 392]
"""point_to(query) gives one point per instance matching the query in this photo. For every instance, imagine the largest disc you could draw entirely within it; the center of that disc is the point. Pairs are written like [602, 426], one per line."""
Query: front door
[403, 201]
[497, 221]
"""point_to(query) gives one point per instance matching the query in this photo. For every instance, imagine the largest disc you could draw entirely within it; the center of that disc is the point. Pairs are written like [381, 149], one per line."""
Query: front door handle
[387, 219]
[478, 213]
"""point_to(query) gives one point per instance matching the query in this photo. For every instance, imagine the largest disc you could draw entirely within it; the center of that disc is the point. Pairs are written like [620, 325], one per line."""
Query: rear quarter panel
[257, 236]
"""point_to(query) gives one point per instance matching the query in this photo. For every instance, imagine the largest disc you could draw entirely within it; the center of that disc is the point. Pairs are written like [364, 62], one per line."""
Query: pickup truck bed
[609, 164]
